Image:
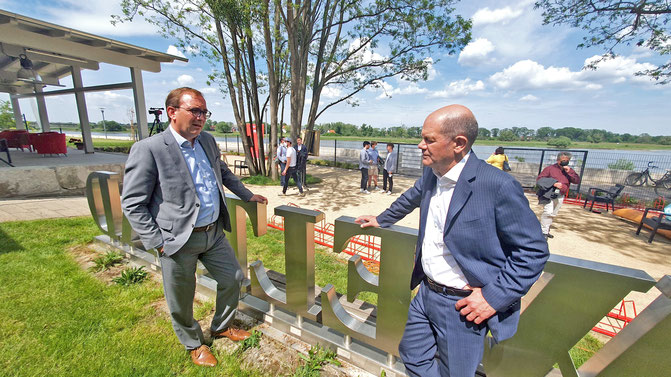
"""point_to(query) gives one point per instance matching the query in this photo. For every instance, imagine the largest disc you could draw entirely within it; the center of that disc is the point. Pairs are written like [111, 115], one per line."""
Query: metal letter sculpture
[299, 247]
[393, 285]
[571, 296]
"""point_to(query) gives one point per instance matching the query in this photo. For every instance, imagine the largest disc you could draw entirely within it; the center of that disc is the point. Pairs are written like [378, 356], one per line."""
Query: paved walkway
[33, 209]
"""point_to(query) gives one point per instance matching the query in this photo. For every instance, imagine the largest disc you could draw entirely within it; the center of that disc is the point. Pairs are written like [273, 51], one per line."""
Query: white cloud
[476, 52]
[528, 74]
[431, 69]
[486, 16]
[365, 54]
[331, 92]
[459, 89]
[529, 98]
[94, 17]
[185, 80]
[208, 90]
[173, 50]
[616, 70]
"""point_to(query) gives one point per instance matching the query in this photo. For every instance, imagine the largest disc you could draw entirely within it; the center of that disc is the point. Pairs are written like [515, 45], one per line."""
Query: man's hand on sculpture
[259, 198]
[474, 307]
[366, 221]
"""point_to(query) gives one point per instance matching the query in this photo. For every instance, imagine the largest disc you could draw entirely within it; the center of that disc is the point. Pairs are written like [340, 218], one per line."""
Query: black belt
[439, 288]
[205, 228]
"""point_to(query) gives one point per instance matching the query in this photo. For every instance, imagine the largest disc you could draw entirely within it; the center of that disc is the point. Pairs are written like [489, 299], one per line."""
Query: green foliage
[252, 342]
[337, 164]
[560, 142]
[6, 115]
[316, 359]
[263, 180]
[520, 158]
[621, 164]
[131, 275]
[104, 262]
[507, 135]
[224, 127]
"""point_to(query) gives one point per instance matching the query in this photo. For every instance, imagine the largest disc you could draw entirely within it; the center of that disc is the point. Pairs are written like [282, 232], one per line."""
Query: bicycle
[662, 185]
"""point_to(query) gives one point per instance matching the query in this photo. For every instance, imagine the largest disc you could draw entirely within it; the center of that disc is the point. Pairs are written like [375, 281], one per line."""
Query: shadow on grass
[8, 243]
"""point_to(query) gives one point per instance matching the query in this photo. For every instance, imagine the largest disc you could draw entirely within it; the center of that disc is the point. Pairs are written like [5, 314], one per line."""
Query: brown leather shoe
[203, 357]
[233, 334]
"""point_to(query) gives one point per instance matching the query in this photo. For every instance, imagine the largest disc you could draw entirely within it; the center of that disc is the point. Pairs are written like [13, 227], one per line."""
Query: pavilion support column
[42, 109]
[81, 109]
[18, 119]
[140, 104]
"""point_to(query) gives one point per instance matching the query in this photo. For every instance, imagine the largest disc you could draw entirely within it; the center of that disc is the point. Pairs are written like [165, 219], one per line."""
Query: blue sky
[515, 72]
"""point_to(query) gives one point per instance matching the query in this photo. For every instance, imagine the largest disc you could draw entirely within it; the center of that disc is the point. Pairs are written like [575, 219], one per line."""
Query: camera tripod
[156, 127]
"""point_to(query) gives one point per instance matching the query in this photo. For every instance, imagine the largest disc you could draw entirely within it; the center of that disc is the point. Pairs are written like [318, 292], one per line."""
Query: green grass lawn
[59, 320]
[267, 181]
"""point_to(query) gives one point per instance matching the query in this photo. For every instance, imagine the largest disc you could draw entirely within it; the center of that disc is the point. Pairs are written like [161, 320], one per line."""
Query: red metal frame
[616, 319]
[368, 247]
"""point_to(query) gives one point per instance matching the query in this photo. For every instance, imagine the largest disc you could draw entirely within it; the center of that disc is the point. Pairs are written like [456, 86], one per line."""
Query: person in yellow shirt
[497, 158]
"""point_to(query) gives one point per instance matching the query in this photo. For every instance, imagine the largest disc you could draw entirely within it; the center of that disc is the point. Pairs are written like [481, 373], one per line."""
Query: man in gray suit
[173, 198]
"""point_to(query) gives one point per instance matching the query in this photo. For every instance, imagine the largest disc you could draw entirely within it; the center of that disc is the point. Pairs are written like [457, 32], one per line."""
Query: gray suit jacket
[159, 197]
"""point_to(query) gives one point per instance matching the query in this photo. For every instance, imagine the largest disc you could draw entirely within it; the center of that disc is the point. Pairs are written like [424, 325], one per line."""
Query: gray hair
[462, 124]
[564, 154]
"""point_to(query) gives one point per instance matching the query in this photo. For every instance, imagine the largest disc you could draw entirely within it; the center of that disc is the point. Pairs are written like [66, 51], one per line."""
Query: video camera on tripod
[156, 127]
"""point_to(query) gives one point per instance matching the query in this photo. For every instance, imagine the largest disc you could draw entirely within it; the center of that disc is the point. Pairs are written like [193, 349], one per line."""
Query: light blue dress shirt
[203, 178]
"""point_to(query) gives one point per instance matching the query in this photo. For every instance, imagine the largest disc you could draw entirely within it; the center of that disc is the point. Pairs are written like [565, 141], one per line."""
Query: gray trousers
[179, 283]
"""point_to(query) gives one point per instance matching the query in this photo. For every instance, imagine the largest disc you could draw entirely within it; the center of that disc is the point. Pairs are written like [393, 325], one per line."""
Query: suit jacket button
[197, 205]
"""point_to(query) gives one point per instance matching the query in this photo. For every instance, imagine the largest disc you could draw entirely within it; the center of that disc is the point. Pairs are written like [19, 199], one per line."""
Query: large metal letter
[579, 294]
[102, 192]
[397, 254]
[299, 256]
[238, 236]
[641, 348]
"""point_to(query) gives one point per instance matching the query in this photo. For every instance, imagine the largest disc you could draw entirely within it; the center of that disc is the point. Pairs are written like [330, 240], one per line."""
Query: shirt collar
[181, 140]
[452, 175]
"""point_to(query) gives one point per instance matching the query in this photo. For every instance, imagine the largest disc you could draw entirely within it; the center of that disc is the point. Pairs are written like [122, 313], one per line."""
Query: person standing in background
[290, 169]
[373, 172]
[497, 158]
[364, 164]
[564, 176]
[389, 169]
[282, 158]
[301, 161]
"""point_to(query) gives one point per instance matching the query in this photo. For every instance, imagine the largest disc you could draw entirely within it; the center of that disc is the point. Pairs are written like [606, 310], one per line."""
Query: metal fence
[597, 168]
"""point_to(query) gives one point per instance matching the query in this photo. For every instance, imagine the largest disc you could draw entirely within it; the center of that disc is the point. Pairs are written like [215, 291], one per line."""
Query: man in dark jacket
[564, 176]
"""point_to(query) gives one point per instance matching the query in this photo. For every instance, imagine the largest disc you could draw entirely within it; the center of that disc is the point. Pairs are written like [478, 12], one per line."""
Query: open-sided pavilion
[35, 54]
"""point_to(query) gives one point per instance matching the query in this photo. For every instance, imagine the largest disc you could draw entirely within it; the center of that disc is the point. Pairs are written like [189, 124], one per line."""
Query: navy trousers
[436, 326]
[364, 178]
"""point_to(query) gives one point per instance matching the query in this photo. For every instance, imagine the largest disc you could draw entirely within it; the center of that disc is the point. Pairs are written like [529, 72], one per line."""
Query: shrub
[104, 262]
[621, 164]
[131, 275]
[520, 159]
[560, 142]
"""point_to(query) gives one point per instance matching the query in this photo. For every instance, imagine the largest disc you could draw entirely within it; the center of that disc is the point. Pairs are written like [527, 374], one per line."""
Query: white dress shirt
[437, 260]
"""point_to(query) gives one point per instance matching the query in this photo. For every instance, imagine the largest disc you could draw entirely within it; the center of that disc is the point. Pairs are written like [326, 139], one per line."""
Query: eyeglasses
[196, 112]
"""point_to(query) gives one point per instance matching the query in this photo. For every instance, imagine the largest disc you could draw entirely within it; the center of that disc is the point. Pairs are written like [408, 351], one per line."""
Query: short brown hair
[174, 98]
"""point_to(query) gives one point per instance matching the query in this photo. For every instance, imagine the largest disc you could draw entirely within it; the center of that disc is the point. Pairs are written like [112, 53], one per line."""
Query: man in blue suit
[479, 250]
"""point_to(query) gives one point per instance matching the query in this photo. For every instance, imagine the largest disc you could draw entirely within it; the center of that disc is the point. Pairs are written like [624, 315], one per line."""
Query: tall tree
[222, 32]
[611, 23]
[343, 36]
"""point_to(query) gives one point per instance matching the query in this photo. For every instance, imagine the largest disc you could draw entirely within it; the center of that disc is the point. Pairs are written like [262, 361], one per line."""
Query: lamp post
[102, 110]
